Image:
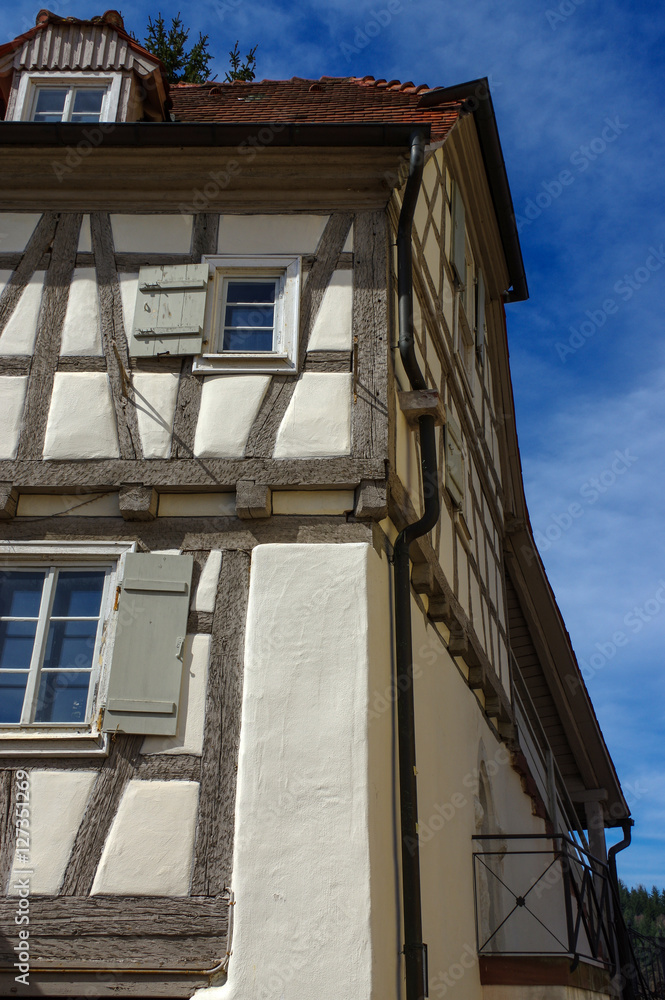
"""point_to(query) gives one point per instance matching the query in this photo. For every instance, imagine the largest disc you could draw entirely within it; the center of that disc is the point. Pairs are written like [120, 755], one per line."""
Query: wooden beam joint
[253, 500]
[8, 501]
[371, 500]
[138, 502]
[422, 403]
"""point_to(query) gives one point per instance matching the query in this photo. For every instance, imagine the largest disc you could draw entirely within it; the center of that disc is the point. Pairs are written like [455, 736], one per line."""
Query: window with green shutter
[91, 642]
[170, 310]
[454, 473]
[458, 243]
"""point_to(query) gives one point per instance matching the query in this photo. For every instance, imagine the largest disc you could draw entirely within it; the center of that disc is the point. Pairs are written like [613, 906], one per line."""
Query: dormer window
[74, 98]
[68, 104]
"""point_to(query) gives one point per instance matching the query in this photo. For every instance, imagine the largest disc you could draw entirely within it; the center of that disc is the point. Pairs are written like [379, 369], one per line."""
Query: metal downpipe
[414, 949]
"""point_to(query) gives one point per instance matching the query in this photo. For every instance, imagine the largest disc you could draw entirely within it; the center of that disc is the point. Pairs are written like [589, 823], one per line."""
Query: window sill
[40, 743]
[243, 364]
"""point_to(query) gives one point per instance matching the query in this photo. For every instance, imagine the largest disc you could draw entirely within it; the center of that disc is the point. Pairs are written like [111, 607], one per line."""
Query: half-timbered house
[287, 707]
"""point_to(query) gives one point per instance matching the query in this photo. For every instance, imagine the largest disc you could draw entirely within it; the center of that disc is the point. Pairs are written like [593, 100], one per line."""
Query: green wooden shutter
[146, 667]
[480, 317]
[170, 310]
[454, 459]
[458, 243]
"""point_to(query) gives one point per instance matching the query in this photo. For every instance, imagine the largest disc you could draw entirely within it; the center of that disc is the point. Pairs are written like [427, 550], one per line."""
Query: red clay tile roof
[330, 100]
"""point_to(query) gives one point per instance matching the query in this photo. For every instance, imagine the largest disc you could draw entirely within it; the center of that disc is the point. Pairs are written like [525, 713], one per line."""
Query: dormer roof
[73, 44]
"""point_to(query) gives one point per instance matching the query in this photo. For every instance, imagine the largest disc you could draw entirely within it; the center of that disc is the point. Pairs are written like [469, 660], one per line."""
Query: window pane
[70, 645]
[12, 691]
[50, 104]
[250, 316]
[78, 594]
[20, 594]
[62, 697]
[250, 291]
[88, 101]
[247, 340]
[16, 642]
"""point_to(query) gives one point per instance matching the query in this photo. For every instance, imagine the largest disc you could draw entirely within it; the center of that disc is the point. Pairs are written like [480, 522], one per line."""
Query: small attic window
[72, 98]
[68, 104]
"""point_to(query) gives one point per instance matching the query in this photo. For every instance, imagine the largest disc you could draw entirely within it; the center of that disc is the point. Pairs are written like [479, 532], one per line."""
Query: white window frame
[70, 739]
[31, 83]
[284, 356]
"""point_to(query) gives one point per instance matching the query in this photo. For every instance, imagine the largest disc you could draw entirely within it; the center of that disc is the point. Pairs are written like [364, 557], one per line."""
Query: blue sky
[578, 91]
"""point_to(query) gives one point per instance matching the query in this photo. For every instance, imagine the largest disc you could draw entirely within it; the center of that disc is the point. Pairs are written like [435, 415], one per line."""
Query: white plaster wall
[81, 331]
[270, 234]
[152, 233]
[4, 278]
[197, 505]
[312, 502]
[206, 591]
[57, 803]
[317, 422]
[12, 398]
[333, 325]
[302, 875]
[85, 236]
[81, 421]
[156, 394]
[452, 738]
[191, 704]
[16, 228]
[18, 336]
[149, 848]
[129, 285]
[50, 504]
[229, 404]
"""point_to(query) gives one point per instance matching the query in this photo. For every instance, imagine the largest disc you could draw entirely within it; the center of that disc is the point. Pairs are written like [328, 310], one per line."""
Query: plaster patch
[206, 592]
[156, 396]
[197, 505]
[312, 501]
[348, 245]
[19, 334]
[4, 278]
[129, 286]
[332, 327]
[57, 803]
[152, 233]
[48, 505]
[317, 422]
[12, 398]
[85, 236]
[149, 848]
[81, 421]
[81, 330]
[16, 228]
[229, 405]
[274, 234]
[191, 706]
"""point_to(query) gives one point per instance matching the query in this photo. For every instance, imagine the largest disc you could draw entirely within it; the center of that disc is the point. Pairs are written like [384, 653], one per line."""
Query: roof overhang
[476, 100]
[205, 134]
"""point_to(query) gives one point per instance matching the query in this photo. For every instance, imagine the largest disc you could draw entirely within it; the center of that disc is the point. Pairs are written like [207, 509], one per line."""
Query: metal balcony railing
[543, 895]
